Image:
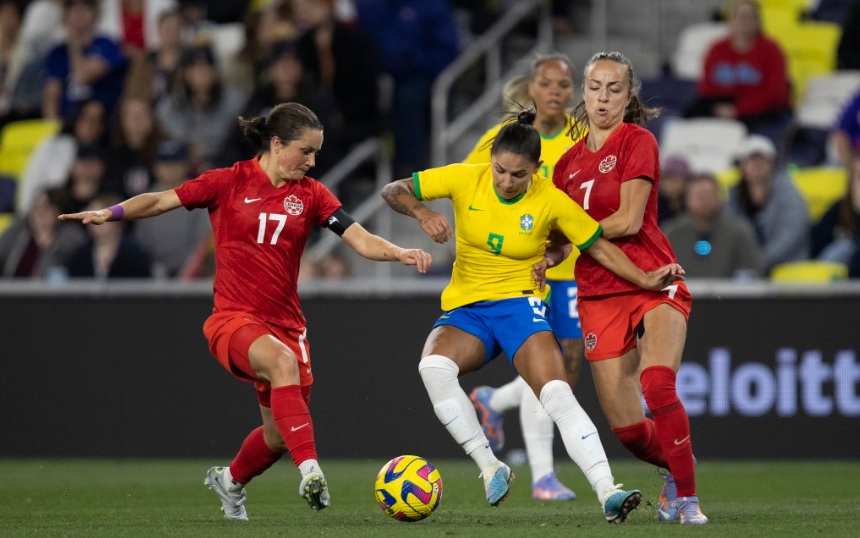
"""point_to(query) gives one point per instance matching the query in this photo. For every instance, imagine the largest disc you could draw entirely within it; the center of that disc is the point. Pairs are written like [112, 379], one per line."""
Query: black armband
[339, 221]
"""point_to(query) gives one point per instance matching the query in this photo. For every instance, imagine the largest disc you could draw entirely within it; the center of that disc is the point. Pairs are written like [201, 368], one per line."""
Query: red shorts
[609, 321]
[230, 335]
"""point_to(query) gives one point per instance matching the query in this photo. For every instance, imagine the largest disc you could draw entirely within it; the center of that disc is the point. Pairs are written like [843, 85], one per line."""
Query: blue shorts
[502, 325]
[563, 312]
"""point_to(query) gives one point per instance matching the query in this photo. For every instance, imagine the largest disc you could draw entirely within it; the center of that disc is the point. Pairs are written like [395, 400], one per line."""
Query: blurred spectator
[150, 76]
[133, 23]
[836, 236]
[670, 190]
[37, 243]
[217, 11]
[284, 82]
[84, 66]
[341, 61]
[745, 76]
[263, 29]
[308, 268]
[848, 52]
[51, 161]
[767, 197]
[200, 110]
[707, 243]
[417, 39]
[134, 138]
[110, 252]
[845, 136]
[172, 239]
[13, 54]
[87, 177]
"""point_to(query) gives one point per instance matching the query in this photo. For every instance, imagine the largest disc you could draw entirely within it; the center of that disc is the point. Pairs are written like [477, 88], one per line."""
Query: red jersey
[594, 181]
[260, 233]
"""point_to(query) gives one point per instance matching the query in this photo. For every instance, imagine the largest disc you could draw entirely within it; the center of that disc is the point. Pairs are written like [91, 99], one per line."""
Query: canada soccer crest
[293, 205]
[607, 164]
[590, 341]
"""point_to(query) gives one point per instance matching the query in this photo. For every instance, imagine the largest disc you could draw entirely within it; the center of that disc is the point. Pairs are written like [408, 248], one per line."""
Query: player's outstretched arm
[376, 248]
[149, 204]
[400, 196]
[614, 259]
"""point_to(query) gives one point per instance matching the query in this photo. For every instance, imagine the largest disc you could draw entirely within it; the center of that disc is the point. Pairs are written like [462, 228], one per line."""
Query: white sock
[309, 466]
[233, 486]
[579, 435]
[538, 430]
[454, 409]
[508, 396]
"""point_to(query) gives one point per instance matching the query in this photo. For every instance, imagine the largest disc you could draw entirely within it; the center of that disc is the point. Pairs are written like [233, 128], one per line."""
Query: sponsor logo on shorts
[590, 341]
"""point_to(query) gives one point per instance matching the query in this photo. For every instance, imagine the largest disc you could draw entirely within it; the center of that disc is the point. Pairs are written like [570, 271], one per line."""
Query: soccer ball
[408, 488]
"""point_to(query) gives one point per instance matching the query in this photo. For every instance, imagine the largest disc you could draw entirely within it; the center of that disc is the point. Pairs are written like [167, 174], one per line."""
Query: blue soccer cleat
[498, 484]
[667, 507]
[548, 488]
[619, 505]
[689, 512]
[491, 421]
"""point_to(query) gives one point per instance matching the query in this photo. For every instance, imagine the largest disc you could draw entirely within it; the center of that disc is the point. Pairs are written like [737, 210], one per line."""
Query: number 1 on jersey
[261, 232]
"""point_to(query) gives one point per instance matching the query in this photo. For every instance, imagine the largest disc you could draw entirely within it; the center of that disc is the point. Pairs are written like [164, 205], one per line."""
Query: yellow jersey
[497, 240]
[552, 147]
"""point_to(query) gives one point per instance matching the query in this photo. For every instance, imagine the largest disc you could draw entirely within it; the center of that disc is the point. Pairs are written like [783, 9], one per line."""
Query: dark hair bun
[527, 116]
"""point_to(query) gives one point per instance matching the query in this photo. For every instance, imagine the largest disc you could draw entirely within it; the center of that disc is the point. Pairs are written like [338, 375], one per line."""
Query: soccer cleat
[491, 421]
[689, 512]
[498, 484]
[619, 505]
[548, 488]
[667, 506]
[232, 504]
[315, 491]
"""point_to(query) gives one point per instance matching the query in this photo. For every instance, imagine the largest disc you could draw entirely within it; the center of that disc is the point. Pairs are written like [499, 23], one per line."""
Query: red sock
[294, 422]
[673, 426]
[253, 458]
[641, 440]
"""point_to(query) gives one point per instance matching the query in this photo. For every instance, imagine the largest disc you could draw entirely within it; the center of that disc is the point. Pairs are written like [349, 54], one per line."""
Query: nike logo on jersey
[474, 209]
[249, 200]
[588, 435]
[681, 441]
[297, 428]
[538, 320]
[573, 175]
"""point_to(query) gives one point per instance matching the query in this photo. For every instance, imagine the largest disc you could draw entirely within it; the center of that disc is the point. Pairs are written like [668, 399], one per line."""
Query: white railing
[489, 48]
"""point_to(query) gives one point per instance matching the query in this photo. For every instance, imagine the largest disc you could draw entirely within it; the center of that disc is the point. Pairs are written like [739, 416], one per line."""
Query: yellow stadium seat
[796, 7]
[5, 221]
[17, 141]
[810, 49]
[820, 186]
[809, 272]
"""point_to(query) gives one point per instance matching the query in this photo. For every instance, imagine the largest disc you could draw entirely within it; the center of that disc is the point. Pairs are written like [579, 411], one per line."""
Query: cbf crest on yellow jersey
[552, 147]
[498, 240]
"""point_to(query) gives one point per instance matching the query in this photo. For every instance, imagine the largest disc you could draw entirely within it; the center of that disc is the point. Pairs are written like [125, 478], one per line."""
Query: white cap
[756, 145]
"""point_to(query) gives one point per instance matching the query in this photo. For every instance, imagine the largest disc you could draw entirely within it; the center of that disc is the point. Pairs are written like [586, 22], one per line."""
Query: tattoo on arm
[392, 194]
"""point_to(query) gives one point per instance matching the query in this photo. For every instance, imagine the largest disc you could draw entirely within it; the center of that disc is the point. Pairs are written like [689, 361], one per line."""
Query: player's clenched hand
[416, 256]
[436, 226]
[88, 217]
[664, 276]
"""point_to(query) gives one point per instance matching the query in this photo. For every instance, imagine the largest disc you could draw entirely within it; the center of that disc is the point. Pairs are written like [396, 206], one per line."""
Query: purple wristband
[117, 212]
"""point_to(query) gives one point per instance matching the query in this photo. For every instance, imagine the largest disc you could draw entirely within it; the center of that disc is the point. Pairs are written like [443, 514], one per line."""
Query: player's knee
[438, 365]
[279, 367]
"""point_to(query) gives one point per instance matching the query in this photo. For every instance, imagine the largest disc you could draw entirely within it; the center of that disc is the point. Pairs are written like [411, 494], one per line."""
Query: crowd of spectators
[148, 92]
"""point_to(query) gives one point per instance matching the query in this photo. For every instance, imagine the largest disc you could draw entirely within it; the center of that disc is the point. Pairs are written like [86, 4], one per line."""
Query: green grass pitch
[167, 498]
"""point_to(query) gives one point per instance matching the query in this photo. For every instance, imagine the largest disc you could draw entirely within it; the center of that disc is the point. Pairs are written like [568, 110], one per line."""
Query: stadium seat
[17, 141]
[796, 8]
[824, 97]
[809, 272]
[709, 144]
[694, 42]
[811, 51]
[820, 187]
